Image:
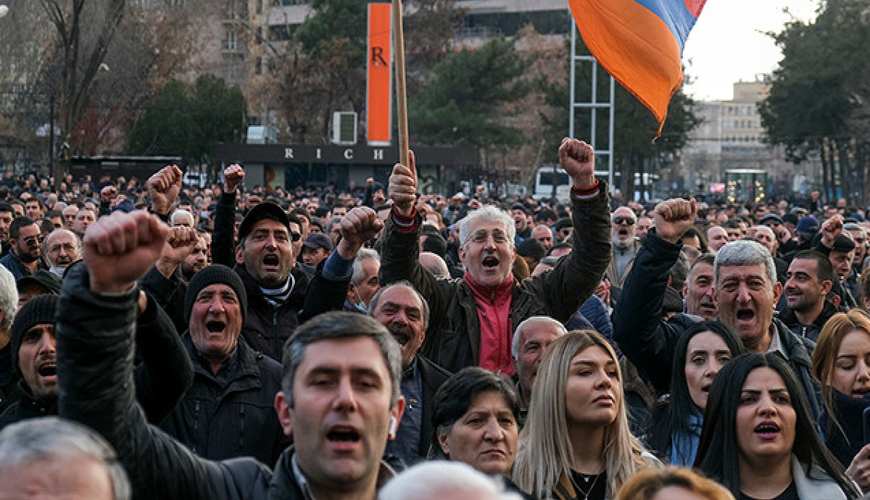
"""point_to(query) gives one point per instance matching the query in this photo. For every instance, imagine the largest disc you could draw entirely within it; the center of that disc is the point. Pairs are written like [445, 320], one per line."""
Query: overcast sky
[728, 43]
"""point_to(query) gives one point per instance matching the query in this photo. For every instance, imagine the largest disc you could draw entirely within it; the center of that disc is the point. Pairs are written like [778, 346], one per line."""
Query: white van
[544, 180]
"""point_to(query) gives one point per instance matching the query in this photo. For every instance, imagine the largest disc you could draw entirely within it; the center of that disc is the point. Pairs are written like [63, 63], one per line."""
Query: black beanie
[215, 273]
[39, 310]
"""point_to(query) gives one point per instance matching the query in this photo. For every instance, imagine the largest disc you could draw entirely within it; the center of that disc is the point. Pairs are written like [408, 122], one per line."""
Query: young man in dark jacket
[340, 392]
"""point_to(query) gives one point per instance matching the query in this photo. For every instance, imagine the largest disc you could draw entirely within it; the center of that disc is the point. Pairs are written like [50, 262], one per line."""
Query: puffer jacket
[453, 337]
[95, 345]
[233, 418]
[95, 348]
[161, 377]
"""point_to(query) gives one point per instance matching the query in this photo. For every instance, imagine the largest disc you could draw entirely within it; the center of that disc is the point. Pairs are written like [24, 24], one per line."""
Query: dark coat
[432, 377]
[25, 407]
[160, 379]
[850, 415]
[11, 262]
[95, 333]
[649, 342]
[812, 331]
[453, 337]
[233, 419]
[267, 327]
[8, 379]
[169, 294]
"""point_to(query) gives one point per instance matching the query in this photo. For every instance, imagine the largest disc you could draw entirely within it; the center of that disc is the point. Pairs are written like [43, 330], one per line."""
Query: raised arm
[328, 289]
[399, 244]
[638, 328]
[95, 330]
[576, 276]
[223, 243]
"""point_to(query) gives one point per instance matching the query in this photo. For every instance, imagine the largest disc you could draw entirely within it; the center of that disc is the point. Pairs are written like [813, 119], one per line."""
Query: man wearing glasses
[472, 319]
[625, 245]
[25, 248]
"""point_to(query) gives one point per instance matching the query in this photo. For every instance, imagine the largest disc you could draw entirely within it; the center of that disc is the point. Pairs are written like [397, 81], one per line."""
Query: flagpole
[401, 93]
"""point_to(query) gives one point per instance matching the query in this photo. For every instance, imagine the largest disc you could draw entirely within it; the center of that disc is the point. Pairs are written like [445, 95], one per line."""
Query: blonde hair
[825, 353]
[545, 451]
[647, 483]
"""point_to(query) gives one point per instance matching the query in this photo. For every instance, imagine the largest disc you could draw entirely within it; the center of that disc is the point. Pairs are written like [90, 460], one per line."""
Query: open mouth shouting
[215, 326]
[745, 314]
[47, 369]
[767, 430]
[343, 437]
[271, 262]
[490, 262]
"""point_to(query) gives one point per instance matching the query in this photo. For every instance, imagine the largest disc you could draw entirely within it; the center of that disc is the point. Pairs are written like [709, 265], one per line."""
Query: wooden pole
[401, 91]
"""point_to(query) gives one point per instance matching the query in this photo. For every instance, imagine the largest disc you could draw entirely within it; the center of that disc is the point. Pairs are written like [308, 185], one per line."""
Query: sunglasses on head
[620, 220]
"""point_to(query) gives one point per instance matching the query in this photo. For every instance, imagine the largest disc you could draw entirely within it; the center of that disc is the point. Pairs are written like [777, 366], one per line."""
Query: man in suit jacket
[405, 313]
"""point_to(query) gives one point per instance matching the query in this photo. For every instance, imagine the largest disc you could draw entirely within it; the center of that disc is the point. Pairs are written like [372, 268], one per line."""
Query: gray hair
[442, 479]
[679, 270]
[59, 231]
[181, 213]
[515, 345]
[339, 325]
[373, 304]
[744, 253]
[492, 214]
[364, 254]
[332, 222]
[47, 439]
[8, 298]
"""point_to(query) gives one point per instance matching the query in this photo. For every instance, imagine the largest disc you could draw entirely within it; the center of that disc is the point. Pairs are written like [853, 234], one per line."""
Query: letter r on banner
[379, 75]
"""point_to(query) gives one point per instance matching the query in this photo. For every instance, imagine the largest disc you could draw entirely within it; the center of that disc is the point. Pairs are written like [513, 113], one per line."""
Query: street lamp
[3, 10]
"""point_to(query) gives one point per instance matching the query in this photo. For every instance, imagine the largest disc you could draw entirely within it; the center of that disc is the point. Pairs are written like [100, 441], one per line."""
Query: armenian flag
[640, 43]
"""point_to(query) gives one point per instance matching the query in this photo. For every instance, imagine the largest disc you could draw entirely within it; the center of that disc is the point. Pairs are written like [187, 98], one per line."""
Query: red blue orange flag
[640, 43]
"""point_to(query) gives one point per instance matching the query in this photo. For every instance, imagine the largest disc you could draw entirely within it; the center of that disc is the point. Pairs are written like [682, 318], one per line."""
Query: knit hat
[39, 310]
[215, 273]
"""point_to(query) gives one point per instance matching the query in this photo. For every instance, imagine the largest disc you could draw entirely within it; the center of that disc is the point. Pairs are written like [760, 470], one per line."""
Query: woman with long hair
[841, 363]
[759, 440]
[702, 350]
[576, 443]
[474, 417]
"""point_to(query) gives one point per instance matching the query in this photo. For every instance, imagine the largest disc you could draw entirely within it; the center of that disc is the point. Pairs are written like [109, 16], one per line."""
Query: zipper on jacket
[241, 427]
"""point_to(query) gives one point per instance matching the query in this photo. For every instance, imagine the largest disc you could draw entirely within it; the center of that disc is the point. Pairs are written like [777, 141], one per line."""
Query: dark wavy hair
[456, 394]
[670, 414]
[717, 453]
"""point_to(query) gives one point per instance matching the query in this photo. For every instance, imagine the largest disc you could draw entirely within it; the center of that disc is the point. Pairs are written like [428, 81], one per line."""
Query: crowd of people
[162, 341]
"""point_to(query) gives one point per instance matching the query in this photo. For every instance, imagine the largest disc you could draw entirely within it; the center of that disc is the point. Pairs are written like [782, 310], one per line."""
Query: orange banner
[378, 75]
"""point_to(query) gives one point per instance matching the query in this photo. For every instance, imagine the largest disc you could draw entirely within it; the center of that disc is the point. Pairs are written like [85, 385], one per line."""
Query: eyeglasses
[32, 240]
[480, 236]
[620, 220]
[295, 236]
